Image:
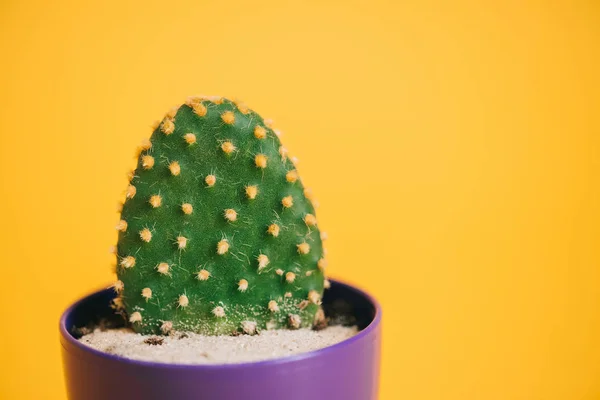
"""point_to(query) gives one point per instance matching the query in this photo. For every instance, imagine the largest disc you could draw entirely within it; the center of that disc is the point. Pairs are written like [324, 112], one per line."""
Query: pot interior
[343, 304]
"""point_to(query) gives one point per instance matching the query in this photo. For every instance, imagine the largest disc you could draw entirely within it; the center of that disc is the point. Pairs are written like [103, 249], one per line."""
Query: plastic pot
[348, 370]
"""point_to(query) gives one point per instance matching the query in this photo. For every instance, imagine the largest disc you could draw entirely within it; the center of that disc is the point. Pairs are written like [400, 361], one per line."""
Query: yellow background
[454, 147]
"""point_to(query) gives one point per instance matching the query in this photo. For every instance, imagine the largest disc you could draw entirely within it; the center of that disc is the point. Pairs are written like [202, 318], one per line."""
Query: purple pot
[346, 371]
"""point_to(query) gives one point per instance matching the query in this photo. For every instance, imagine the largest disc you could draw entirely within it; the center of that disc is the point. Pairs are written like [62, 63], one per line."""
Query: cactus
[217, 233]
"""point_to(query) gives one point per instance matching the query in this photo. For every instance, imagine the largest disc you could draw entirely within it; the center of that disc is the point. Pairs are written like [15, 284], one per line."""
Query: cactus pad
[217, 233]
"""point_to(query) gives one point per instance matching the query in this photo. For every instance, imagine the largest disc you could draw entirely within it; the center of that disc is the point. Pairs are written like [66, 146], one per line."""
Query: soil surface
[191, 348]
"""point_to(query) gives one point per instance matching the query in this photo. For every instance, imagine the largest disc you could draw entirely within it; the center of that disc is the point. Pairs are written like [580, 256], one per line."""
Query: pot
[348, 370]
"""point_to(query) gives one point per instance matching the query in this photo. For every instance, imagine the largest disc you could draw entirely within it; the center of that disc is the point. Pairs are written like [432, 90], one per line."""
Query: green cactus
[217, 233]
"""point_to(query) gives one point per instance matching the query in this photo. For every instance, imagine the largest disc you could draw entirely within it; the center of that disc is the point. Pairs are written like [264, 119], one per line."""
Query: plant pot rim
[67, 340]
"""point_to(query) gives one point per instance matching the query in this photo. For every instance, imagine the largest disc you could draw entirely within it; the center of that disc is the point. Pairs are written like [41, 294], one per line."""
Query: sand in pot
[191, 348]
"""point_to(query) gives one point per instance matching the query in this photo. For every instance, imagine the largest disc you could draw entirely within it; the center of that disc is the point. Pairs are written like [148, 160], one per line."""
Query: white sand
[197, 349]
